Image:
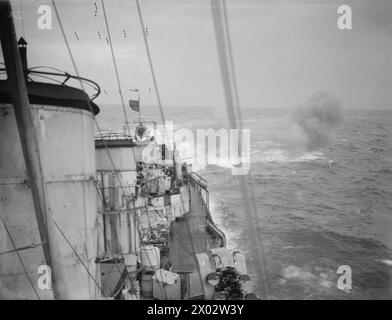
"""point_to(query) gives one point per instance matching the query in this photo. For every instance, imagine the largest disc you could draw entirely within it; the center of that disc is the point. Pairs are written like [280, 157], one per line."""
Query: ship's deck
[188, 235]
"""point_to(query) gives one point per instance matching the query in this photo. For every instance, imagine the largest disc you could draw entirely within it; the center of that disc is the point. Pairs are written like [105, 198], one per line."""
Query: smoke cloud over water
[313, 124]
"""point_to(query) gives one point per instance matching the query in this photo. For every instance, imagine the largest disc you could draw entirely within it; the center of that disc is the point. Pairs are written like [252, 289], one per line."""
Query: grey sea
[318, 209]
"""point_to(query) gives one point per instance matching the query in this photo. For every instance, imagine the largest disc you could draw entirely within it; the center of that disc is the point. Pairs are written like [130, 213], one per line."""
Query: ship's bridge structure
[63, 243]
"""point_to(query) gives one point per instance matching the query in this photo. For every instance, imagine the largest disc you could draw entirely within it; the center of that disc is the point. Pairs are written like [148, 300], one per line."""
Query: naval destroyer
[94, 215]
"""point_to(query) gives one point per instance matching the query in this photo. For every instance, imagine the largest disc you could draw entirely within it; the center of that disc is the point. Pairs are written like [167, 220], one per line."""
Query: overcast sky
[283, 50]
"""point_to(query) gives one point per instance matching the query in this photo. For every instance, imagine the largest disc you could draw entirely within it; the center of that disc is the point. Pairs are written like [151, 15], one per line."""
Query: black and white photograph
[167, 150]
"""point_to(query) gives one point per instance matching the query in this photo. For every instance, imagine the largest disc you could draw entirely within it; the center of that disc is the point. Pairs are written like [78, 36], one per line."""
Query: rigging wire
[231, 60]
[225, 74]
[109, 40]
[20, 258]
[49, 68]
[88, 101]
[145, 33]
[114, 231]
[150, 62]
[115, 64]
[117, 76]
[77, 255]
[102, 199]
[223, 42]
[98, 127]
[32, 246]
[83, 88]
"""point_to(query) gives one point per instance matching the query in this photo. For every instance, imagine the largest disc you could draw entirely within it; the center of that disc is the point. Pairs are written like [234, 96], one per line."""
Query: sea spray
[313, 124]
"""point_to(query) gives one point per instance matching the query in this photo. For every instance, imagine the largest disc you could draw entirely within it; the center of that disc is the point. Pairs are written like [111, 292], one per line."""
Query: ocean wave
[281, 155]
[385, 171]
[220, 216]
[316, 214]
[377, 150]
[370, 191]
[386, 262]
[324, 279]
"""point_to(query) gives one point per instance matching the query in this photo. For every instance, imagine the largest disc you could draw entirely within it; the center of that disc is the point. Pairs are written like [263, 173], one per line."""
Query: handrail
[218, 232]
[201, 182]
[199, 176]
[59, 73]
[210, 222]
[110, 135]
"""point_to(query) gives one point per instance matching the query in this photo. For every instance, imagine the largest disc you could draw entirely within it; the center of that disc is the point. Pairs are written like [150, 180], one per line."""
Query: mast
[20, 100]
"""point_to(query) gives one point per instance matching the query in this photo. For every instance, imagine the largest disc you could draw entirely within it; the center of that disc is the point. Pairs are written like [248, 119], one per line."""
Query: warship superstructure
[89, 215]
